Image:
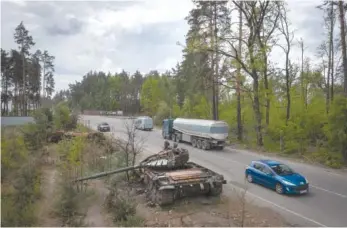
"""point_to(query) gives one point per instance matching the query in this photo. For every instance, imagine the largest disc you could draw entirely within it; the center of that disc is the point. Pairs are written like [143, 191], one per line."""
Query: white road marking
[285, 209]
[330, 172]
[311, 185]
[326, 190]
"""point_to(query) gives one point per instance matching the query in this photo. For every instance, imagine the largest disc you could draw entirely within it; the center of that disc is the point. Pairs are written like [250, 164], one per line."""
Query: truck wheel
[205, 145]
[209, 145]
[194, 142]
[199, 144]
[177, 138]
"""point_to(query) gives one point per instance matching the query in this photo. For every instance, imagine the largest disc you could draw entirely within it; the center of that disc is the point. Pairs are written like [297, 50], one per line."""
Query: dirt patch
[45, 214]
[96, 215]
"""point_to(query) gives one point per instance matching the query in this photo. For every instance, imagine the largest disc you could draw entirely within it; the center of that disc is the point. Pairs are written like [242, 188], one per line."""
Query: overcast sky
[115, 35]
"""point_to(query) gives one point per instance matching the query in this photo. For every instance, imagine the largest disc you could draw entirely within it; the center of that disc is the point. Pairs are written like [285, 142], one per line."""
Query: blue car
[278, 176]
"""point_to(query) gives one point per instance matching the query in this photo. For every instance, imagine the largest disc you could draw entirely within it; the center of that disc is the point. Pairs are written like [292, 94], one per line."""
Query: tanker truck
[203, 134]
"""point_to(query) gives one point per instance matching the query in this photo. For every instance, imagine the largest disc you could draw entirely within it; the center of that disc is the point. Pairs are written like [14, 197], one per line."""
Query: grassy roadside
[315, 156]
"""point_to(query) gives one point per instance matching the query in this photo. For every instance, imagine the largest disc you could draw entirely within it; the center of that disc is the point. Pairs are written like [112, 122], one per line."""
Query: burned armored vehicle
[169, 175]
[57, 136]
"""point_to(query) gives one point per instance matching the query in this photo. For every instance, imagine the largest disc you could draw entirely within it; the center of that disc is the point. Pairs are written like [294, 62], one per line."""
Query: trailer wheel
[194, 142]
[199, 144]
[205, 145]
[209, 146]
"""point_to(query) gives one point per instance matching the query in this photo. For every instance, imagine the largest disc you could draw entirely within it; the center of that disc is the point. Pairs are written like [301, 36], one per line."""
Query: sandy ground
[45, 207]
[96, 215]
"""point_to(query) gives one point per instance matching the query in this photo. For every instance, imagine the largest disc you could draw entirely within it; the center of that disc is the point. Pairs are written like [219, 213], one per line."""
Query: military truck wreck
[168, 176]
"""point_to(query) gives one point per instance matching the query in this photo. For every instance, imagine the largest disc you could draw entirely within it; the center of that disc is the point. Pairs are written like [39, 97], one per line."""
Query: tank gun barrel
[107, 173]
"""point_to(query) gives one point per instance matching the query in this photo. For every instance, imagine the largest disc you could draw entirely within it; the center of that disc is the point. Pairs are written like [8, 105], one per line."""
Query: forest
[27, 78]
[294, 108]
[297, 107]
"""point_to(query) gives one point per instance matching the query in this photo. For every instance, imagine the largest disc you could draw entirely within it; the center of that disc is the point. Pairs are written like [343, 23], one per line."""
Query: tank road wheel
[216, 190]
[164, 197]
[194, 142]
[198, 143]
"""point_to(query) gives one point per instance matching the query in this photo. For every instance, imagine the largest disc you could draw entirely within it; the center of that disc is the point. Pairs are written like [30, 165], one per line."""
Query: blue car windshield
[219, 130]
[281, 169]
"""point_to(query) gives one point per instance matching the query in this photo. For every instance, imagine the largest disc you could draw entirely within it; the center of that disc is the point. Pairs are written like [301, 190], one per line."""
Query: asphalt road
[325, 205]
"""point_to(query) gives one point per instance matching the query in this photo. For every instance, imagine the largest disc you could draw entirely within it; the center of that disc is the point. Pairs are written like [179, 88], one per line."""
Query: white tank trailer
[203, 134]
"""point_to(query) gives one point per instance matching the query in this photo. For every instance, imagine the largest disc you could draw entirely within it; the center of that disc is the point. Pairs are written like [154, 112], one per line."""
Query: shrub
[122, 208]
[64, 118]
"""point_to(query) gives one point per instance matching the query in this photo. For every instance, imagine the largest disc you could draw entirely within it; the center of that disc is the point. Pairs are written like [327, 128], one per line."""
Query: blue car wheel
[279, 188]
[249, 178]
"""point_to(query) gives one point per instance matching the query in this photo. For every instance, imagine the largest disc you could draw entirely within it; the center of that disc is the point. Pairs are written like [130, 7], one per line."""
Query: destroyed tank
[57, 136]
[168, 176]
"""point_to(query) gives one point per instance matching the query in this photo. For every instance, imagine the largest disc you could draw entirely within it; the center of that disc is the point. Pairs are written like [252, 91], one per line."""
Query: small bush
[18, 206]
[328, 158]
[122, 209]
[68, 204]
[34, 136]
[132, 221]
[63, 118]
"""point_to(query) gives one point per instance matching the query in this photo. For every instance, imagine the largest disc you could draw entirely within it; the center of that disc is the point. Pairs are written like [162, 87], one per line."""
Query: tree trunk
[43, 78]
[266, 85]
[24, 85]
[287, 87]
[343, 43]
[302, 73]
[238, 110]
[256, 107]
[215, 34]
[214, 116]
[330, 57]
[328, 81]
[332, 24]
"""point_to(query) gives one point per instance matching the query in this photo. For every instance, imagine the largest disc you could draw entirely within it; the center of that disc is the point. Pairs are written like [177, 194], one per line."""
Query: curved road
[325, 205]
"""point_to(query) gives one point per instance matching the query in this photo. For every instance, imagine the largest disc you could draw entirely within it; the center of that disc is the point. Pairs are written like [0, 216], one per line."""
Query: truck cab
[167, 128]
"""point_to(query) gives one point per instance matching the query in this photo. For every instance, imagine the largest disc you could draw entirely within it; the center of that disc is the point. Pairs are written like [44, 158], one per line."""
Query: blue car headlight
[288, 183]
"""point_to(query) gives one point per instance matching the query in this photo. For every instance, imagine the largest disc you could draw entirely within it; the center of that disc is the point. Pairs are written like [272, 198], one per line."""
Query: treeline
[107, 92]
[27, 78]
[294, 107]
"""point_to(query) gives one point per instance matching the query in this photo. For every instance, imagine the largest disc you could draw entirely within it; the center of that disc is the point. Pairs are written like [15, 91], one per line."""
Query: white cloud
[110, 36]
